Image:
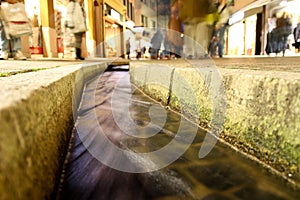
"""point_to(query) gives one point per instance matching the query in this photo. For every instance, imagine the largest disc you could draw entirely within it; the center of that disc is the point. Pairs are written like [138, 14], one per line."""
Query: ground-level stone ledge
[36, 121]
[259, 109]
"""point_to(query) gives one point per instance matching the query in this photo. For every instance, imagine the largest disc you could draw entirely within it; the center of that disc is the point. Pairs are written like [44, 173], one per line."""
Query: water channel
[223, 174]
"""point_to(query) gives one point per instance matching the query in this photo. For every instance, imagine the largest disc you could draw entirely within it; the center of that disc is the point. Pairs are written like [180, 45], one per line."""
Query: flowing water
[223, 174]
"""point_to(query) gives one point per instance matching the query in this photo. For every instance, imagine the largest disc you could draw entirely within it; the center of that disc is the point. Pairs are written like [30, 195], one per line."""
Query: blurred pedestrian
[282, 31]
[75, 21]
[128, 48]
[156, 41]
[223, 12]
[174, 39]
[296, 34]
[9, 36]
[138, 49]
[166, 53]
[197, 31]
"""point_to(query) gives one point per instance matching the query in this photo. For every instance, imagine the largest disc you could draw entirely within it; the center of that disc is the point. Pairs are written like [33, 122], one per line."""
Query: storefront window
[33, 12]
[113, 39]
[63, 40]
[250, 35]
[236, 39]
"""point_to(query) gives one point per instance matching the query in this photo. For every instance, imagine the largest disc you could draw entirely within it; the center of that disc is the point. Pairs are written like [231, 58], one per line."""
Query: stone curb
[36, 122]
[261, 116]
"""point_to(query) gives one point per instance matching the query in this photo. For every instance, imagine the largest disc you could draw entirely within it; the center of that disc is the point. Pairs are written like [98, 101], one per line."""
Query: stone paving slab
[15, 66]
[48, 63]
[288, 64]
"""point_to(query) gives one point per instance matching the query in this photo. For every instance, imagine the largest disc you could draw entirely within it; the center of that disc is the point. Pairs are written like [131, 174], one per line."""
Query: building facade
[112, 22]
[105, 21]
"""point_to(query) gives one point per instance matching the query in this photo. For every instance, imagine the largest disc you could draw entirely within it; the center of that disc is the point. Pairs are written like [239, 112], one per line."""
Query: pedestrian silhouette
[14, 24]
[75, 22]
[156, 44]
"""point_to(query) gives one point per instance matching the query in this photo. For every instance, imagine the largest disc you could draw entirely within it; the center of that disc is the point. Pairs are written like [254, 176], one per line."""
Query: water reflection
[223, 174]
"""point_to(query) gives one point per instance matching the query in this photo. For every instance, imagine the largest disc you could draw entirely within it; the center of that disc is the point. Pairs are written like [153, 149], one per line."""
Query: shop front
[113, 39]
[250, 35]
[35, 41]
[114, 29]
[105, 36]
[64, 39]
[50, 37]
[242, 37]
[245, 33]
[236, 36]
[40, 43]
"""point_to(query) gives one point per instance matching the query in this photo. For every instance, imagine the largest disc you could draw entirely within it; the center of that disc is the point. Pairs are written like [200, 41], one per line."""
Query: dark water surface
[222, 174]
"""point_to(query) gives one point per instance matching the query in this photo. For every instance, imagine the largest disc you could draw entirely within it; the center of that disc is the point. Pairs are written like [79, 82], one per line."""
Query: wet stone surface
[223, 174]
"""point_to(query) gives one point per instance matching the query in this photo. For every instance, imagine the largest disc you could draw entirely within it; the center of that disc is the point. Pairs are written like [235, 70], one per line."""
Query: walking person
[138, 49]
[173, 38]
[7, 40]
[197, 32]
[224, 12]
[128, 48]
[296, 34]
[156, 41]
[75, 21]
[277, 39]
[283, 30]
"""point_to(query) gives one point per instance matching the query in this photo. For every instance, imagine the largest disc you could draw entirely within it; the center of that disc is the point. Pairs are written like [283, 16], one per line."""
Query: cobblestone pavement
[21, 66]
[223, 174]
[12, 67]
[288, 64]
[253, 63]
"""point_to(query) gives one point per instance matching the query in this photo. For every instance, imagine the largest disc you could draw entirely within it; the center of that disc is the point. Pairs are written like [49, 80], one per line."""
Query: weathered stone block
[263, 114]
[36, 122]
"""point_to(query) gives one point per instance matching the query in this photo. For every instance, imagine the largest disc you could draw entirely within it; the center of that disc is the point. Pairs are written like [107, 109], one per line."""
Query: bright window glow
[236, 17]
[130, 24]
[138, 29]
[114, 26]
[115, 15]
[283, 3]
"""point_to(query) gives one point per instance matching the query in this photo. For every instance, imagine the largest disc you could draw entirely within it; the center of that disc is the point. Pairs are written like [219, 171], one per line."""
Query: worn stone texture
[262, 106]
[263, 113]
[36, 121]
[154, 78]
